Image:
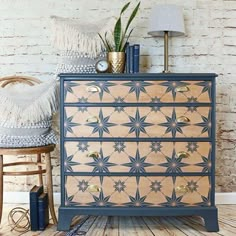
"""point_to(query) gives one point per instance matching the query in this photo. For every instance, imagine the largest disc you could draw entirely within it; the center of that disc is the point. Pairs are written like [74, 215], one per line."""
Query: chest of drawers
[140, 144]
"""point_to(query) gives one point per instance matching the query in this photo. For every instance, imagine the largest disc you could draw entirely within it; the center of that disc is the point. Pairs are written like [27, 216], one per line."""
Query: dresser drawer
[137, 91]
[151, 191]
[137, 157]
[137, 122]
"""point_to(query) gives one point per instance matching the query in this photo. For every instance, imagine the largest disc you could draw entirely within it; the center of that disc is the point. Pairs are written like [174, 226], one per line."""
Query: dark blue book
[136, 57]
[43, 214]
[127, 58]
[131, 60]
[34, 194]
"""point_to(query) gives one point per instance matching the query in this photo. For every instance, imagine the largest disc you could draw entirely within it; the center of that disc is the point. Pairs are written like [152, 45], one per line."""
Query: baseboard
[23, 197]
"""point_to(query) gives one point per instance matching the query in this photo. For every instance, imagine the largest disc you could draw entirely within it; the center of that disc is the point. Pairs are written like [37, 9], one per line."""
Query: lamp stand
[166, 52]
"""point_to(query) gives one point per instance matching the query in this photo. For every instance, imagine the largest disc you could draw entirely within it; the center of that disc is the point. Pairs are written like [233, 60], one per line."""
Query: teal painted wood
[209, 213]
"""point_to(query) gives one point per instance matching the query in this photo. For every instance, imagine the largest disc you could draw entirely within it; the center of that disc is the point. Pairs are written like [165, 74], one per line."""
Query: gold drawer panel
[137, 157]
[151, 191]
[143, 122]
[137, 91]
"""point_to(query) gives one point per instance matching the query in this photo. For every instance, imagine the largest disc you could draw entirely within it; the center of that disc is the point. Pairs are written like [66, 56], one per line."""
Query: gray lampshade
[166, 18]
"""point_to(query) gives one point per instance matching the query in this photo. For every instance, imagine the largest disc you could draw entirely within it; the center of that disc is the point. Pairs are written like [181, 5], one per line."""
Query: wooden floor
[138, 226]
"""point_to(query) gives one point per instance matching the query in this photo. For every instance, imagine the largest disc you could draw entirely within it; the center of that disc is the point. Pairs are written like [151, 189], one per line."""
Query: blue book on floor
[136, 56]
[43, 214]
[34, 194]
[131, 59]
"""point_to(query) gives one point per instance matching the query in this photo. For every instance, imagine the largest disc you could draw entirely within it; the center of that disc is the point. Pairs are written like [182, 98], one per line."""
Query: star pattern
[137, 87]
[82, 146]
[137, 201]
[68, 85]
[173, 201]
[206, 124]
[205, 164]
[119, 147]
[68, 124]
[156, 186]
[156, 147]
[117, 101]
[101, 200]
[119, 186]
[207, 87]
[137, 124]
[82, 108]
[205, 200]
[192, 147]
[83, 185]
[192, 186]
[101, 126]
[157, 100]
[172, 125]
[68, 163]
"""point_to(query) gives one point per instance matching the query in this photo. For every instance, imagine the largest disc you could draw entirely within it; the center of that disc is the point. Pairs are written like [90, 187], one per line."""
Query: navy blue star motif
[83, 185]
[101, 164]
[192, 186]
[192, 108]
[82, 108]
[173, 201]
[205, 200]
[173, 125]
[101, 201]
[82, 146]
[68, 163]
[137, 87]
[206, 87]
[205, 164]
[119, 186]
[137, 124]
[137, 201]
[192, 147]
[103, 85]
[102, 125]
[156, 147]
[69, 200]
[172, 85]
[117, 101]
[174, 164]
[68, 85]
[156, 186]
[157, 100]
[119, 147]
[206, 124]
[68, 124]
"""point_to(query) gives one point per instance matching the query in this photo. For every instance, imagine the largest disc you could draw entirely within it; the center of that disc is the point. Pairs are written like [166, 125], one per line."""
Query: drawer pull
[182, 89]
[93, 188]
[182, 189]
[183, 154]
[93, 89]
[93, 154]
[183, 119]
[93, 119]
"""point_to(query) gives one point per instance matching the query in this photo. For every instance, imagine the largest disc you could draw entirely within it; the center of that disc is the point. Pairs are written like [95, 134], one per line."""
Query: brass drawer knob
[93, 188]
[182, 89]
[183, 119]
[182, 189]
[93, 89]
[93, 154]
[183, 154]
[93, 119]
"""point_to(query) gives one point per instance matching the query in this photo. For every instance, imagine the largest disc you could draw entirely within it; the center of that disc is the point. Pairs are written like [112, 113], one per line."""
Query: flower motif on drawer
[101, 200]
[137, 87]
[103, 85]
[156, 100]
[82, 146]
[102, 125]
[206, 164]
[172, 125]
[205, 200]
[172, 85]
[68, 85]
[83, 185]
[206, 87]
[156, 147]
[156, 186]
[82, 108]
[173, 201]
[206, 124]
[192, 186]
[137, 164]
[119, 147]
[192, 147]
[119, 186]
[68, 163]
[101, 164]
[137, 124]
[137, 201]
[117, 101]
[174, 164]
[68, 124]
[192, 108]
[69, 200]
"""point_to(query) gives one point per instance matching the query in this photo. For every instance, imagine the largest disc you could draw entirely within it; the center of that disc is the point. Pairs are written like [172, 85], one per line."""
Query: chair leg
[50, 187]
[1, 186]
[40, 168]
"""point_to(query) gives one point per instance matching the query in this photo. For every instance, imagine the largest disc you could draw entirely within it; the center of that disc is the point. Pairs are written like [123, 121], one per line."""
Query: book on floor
[43, 214]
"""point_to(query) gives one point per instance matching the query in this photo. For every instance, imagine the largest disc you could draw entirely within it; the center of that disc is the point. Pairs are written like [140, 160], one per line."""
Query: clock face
[102, 66]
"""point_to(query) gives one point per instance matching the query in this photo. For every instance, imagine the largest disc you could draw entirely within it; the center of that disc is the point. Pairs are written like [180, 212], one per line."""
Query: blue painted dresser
[138, 144]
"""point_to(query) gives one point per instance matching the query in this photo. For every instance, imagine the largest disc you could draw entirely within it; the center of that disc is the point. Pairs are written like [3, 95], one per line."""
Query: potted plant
[116, 46]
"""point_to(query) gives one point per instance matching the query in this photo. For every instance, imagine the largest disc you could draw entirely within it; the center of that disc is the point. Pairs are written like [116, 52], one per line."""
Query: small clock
[102, 66]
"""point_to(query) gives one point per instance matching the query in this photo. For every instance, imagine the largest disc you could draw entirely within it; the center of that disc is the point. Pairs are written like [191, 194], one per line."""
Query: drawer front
[133, 122]
[137, 157]
[151, 191]
[137, 91]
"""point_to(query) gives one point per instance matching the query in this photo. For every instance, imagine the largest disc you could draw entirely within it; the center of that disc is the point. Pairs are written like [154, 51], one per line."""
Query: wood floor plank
[112, 226]
[98, 226]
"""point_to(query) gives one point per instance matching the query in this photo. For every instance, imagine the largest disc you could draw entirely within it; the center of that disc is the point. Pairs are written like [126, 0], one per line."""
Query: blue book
[127, 66]
[136, 57]
[43, 214]
[34, 194]
[131, 60]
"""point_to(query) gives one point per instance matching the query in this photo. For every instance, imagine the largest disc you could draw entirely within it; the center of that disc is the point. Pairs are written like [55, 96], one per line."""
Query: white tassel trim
[83, 38]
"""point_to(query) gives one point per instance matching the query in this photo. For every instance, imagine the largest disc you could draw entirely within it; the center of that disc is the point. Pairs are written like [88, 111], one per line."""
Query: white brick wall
[208, 46]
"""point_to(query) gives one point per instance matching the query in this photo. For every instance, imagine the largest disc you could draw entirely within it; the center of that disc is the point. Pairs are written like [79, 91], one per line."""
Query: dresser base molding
[209, 214]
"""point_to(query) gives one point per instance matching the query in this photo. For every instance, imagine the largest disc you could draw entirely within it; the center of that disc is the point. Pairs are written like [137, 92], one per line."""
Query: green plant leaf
[124, 8]
[108, 43]
[132, 16]
[117, 34]
[123, 48]
[103, 41]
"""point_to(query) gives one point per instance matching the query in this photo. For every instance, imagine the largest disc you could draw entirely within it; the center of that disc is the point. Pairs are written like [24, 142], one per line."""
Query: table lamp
[166, 20]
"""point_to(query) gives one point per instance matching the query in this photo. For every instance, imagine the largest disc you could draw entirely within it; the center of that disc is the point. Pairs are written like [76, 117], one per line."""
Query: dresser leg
[211, 220]
[64, 220]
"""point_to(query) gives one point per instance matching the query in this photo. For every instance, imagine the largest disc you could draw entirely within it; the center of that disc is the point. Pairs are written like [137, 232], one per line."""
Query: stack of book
[132, 58]
[39, 215]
